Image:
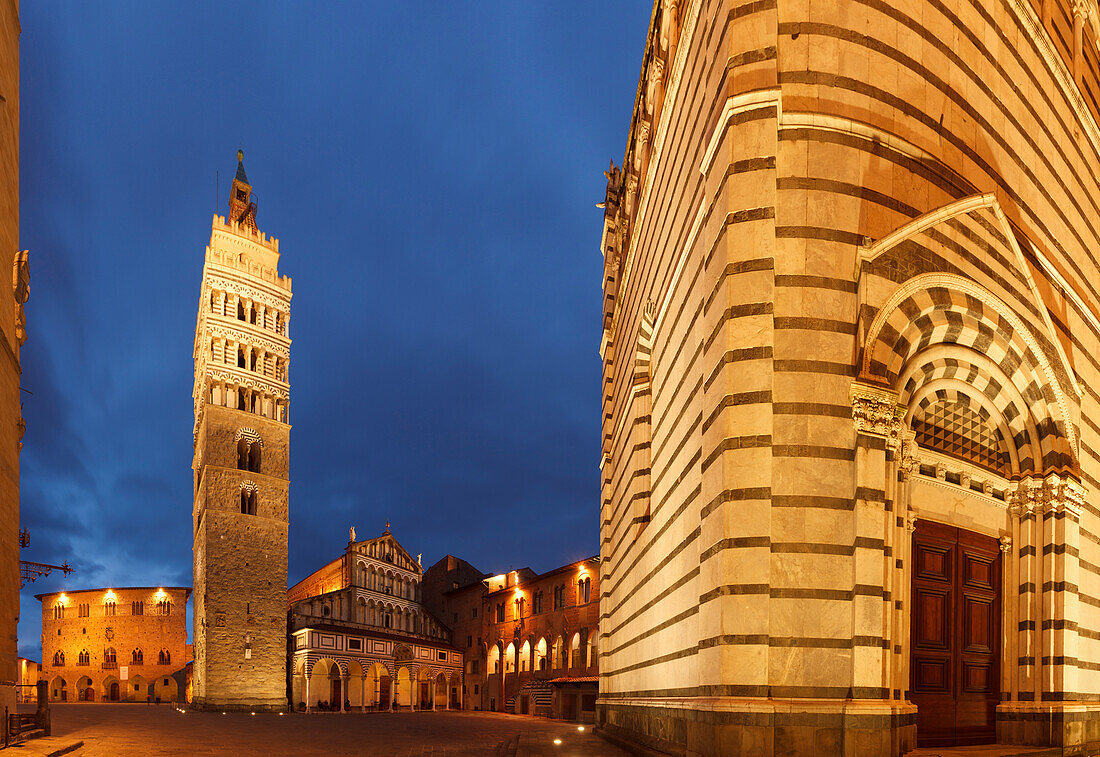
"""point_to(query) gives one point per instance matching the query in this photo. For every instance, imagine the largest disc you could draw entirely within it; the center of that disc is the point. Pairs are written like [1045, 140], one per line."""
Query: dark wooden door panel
[955, 635]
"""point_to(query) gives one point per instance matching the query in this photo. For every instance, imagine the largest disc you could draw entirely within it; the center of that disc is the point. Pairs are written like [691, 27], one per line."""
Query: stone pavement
[138, 729]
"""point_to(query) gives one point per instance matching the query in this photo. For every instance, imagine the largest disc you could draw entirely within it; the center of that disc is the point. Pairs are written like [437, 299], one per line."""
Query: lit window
[137, 608]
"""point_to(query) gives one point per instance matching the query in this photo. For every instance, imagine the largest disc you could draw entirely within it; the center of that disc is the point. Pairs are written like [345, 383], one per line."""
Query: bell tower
[241, 465]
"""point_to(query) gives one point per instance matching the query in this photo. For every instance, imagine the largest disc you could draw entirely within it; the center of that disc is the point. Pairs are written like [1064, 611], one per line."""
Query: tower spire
[241, 207]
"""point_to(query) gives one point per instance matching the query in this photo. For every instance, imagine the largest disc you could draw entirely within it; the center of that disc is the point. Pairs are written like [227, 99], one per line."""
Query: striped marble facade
[850, 283]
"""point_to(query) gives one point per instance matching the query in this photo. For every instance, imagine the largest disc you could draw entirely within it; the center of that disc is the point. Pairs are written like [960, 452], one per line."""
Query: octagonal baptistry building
[851, 407]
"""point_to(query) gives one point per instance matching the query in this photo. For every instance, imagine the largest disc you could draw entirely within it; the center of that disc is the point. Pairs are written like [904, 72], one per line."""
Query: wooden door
[956, 626]
[385, 700]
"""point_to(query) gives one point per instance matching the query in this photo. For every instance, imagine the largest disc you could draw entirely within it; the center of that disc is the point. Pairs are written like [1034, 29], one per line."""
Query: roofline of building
[187, 589]
[539, 576]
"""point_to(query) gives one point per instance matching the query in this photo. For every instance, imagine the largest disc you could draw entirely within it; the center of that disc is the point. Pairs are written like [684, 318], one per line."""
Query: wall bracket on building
[30, 571]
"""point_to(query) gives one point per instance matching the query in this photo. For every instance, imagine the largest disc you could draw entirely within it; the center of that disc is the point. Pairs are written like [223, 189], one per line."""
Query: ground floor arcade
[108, 686]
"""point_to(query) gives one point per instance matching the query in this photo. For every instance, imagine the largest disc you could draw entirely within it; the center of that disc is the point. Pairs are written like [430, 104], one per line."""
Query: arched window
[252, 360]
[584, 587]
[242, 454]
[59, 610]
[248, 501]
[164, 607]
[136, 657]
[241, 361]
[109, 607]
[165, 657]
[58, 659]
[254, 456]
[240, 309]
[137, 608]
[109, 657]
[252, 314]
[82, 658]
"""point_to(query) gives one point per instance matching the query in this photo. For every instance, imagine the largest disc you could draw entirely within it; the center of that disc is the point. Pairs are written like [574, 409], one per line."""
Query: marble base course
[764, 728]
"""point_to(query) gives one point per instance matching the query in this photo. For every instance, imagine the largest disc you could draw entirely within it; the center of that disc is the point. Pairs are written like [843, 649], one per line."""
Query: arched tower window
[240, 309]
[59, 610]
[248, 498]
[58, 659]
[109, 656]
[241, 360]
[109, 607]
[165, 657]
[136, 657]
[137, 608]
[82, 658]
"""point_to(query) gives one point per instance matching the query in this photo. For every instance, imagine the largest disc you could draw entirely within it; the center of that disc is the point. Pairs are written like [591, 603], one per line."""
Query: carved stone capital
[1006, 544]
[1082, 9]
[875, 411]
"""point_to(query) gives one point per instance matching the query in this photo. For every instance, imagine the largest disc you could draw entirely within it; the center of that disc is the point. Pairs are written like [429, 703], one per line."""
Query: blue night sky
[431, 171]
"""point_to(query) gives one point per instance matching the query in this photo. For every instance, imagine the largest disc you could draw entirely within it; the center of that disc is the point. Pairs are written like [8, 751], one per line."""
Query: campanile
[241, 464]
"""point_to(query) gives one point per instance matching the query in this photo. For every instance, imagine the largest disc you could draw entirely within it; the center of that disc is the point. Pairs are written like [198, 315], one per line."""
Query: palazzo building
[851, 349]
[241, 465]
[115, 645]
[361, 638]
[530, 641]
[13, 334]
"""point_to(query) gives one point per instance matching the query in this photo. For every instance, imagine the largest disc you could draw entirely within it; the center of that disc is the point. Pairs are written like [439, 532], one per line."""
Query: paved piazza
[124, 729]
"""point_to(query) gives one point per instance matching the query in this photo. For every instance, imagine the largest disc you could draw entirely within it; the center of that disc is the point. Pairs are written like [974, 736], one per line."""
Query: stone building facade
[530, 641]
[115, 645]
[241, 465]
[27, 690]
[13, 334]
[361, 639]
[851, 345]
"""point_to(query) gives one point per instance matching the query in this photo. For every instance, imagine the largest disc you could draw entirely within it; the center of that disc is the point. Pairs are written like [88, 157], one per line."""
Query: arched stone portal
[966, 438]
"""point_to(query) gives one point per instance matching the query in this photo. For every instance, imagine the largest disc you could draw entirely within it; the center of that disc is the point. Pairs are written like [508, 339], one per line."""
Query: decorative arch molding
[1008, 330]
[249, 435]
[249, 486]
[972, 206]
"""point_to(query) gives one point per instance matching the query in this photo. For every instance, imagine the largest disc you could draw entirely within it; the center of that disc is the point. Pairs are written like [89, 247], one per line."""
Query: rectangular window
[474, 664]
[476, 687]
[356, 644]
[473, 612]
[469, 641]
[441, 655]
[559, 597]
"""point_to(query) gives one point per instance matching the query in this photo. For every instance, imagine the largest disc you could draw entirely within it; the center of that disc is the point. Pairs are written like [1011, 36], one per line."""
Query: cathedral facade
[851, 348]
[241, 465]
[362, 639]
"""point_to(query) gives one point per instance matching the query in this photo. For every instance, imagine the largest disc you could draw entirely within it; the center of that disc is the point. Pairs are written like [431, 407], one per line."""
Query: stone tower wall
[240, 559]
[12, 335]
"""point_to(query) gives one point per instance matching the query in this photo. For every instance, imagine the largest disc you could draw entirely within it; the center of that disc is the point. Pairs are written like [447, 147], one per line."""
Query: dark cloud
[431, 171]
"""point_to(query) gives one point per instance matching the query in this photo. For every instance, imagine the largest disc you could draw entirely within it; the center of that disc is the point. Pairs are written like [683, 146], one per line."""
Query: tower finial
[387, 527]
[240, 155]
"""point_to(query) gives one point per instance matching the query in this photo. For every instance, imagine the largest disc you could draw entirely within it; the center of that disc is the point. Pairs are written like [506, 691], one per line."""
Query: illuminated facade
[851, 345]
[530, 641]
[241, 465]
[360, 638]
[115, 645]
[13, 333]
